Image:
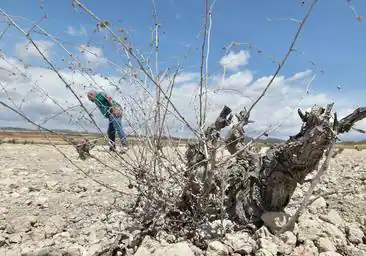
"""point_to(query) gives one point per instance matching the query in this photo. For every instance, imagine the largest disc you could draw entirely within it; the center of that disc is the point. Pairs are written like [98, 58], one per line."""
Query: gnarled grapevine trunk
[257, 184]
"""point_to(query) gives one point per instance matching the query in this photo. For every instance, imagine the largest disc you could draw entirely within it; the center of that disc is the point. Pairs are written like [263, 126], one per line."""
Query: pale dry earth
[47, 203]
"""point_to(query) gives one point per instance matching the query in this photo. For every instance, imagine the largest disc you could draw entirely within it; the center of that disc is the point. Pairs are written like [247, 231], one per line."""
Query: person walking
[113, 111]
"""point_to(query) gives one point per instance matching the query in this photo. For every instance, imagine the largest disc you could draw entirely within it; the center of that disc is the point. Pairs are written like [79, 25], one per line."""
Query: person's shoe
[112, 148]
[122, 149]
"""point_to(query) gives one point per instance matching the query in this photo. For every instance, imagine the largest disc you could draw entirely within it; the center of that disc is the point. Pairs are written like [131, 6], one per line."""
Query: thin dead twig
[67, 140]
[201, 121]
[207, 57]
[286, 56]
[158, 93]
[68, 86]
[133, 55]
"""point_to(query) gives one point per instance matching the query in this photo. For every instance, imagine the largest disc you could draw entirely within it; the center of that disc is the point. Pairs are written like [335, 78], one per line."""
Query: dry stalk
[159, 195]
[67, 140]
[133, 55]
[205, 29]
[157, 121]
[289, 51]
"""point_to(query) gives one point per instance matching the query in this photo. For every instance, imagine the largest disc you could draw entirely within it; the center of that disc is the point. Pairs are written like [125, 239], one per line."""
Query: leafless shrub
[182, 192]
[83, 147]
[357, 147]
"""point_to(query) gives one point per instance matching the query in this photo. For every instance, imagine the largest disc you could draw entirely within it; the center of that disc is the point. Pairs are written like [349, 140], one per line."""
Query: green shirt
[103, 104]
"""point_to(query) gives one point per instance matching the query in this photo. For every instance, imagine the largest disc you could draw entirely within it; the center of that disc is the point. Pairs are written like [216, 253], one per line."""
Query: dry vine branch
[12, 22]
[133, 55]
[201, 114]
[290, 49]
[82, 149]
[56, 41]
[68, 86]
[245, 114]
[157, 116]
[178, 198]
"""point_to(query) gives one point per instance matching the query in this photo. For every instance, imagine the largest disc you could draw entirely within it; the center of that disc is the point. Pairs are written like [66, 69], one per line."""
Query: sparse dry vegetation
[358, 147]
[213, 194]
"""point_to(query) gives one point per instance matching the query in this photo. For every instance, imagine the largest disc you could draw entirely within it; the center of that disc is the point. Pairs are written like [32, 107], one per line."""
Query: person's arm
[109, 100]
[116, 109]
[101, 96]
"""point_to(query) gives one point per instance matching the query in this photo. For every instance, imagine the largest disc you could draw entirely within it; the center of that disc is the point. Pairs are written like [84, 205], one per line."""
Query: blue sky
[332, 37]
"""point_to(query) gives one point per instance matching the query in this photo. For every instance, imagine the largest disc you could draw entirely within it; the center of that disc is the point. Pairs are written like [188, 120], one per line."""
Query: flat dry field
[47, 202]
[29, 137]
[35, 137]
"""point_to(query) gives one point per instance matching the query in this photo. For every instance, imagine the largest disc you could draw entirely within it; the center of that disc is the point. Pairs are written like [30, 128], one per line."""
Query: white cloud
[279, 105]
[232, 61]
[93, 56]
[72, 31]
[236, 81]
[300, 75]
[186, 77]
[24, 50]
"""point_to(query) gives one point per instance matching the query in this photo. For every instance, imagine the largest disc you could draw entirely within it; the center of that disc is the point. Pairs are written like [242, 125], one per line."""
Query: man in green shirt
[113, 111]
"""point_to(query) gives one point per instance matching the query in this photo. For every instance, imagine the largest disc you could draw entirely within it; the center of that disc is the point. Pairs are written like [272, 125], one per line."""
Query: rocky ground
[49, 207]
[46, 203]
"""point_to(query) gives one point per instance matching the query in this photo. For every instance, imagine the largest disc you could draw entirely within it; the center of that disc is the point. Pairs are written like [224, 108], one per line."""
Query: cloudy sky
[328, 61]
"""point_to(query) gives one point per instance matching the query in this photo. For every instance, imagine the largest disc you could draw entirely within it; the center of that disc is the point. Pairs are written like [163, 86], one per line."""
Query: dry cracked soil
[47, 203]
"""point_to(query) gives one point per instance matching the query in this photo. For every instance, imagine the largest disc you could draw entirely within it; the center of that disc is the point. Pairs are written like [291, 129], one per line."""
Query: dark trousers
[112, 134]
